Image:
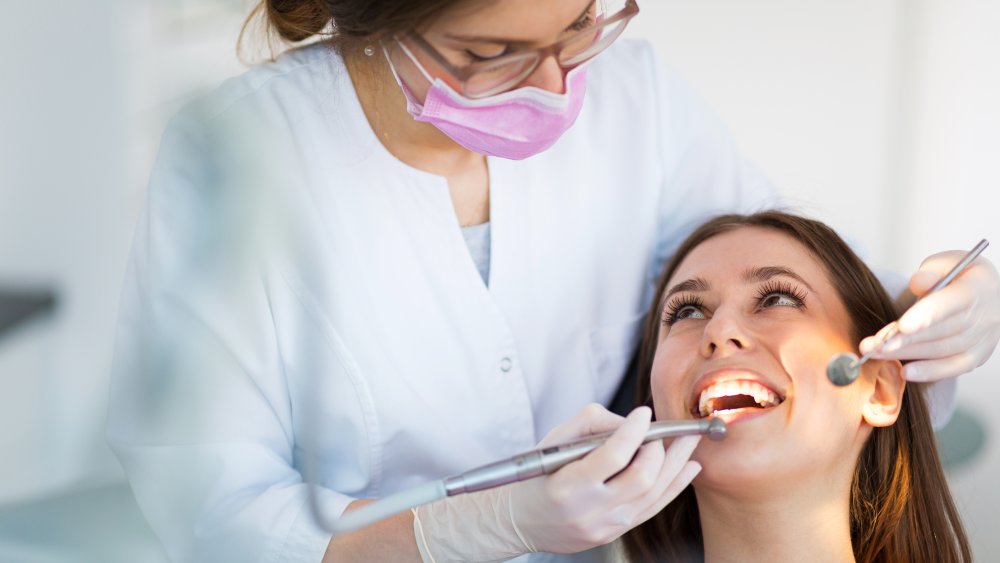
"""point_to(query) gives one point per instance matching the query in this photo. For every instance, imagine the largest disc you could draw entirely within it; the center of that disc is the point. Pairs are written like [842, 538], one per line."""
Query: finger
[616, 452]
[637, 504]
[591, 419]
[959, 325]
[622, 518]
[977, 281]
[935, 308]
[640, 476]
[629, 486]
[870, 342]
[680, 450]
[933, 268]
[922, 324]
[922, 281]
[903, 349]
[934, 370]
[674, 488]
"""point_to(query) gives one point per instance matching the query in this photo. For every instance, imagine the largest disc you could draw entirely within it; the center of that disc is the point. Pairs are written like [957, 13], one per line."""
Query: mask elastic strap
[412, 58]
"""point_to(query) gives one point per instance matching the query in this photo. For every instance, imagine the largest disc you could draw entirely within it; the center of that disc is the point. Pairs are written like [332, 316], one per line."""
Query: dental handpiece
[528, 465]
[843, 369]
[544, 461]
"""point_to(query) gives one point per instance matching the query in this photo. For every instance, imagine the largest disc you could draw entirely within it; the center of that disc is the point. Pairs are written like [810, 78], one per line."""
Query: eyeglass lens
[582, 47]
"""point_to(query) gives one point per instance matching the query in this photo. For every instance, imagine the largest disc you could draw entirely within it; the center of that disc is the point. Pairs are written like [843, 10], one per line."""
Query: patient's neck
[810, 523]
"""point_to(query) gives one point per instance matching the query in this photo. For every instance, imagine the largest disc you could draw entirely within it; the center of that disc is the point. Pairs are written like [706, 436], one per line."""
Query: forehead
[733, 252]
[525, 19]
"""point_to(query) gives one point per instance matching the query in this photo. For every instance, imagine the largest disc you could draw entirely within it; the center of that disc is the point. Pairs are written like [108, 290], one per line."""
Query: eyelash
[479, 58]
[767, 290]
[679, 304]
[781, 288]
[583, 23]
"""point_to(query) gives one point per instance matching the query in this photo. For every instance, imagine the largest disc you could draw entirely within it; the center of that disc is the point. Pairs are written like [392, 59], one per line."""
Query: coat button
[506, 364]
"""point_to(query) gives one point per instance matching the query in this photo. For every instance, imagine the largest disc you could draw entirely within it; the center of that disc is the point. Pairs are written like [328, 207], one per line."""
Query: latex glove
[587, 503]
[952, 331]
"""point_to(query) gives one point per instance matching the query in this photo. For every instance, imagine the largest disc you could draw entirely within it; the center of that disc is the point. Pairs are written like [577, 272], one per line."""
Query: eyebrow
[490, 39]
[765, 273]
[693, 284]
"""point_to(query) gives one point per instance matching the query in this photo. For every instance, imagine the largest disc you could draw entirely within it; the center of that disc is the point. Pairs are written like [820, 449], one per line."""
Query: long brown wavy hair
[900, 507]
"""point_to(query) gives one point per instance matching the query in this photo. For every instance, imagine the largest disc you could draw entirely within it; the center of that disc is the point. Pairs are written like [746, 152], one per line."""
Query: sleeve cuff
[942, 400]
[307, 538]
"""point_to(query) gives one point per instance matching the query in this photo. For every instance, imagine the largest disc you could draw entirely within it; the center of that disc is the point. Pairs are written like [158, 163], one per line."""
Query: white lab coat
[374, 350]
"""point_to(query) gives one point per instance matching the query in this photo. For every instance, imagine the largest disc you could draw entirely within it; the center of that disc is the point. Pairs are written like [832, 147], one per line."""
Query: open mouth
[734, 395]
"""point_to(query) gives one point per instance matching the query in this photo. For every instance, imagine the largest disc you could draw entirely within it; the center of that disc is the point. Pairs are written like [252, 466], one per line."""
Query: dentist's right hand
[587, 503]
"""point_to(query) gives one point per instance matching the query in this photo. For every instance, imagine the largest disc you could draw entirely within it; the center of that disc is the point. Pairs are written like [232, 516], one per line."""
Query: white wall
[953, 188]
[879, 117]
[808, 88]
[62, 223]
[83, 106]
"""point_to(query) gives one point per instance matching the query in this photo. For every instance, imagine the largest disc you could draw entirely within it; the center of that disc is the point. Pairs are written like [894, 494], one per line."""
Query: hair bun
[297, 20]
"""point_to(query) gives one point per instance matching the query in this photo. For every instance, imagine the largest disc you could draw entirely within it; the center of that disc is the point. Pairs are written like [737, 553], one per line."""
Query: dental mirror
[844, 368]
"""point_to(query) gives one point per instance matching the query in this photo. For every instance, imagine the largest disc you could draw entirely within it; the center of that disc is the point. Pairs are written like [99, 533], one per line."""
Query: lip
[732, 373]
[743, 415]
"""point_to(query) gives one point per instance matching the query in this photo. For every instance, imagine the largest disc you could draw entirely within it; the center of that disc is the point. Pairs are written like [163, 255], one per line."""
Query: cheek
[437, 71]
[669, 366]
[415, 80]
[824, 419]
[410, 75]
[804, 351]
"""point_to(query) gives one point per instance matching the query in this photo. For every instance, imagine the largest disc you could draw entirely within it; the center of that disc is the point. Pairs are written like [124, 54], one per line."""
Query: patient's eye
[780, 294]
[683, 308]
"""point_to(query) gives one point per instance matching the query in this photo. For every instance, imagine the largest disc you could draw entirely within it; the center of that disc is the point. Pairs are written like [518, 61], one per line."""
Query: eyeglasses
[486, 78]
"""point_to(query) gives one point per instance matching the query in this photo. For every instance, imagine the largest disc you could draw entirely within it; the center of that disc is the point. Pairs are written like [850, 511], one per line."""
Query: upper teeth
[762, 395]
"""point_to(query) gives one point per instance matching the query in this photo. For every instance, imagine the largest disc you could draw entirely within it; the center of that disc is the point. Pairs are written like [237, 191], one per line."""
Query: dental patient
[748, 313]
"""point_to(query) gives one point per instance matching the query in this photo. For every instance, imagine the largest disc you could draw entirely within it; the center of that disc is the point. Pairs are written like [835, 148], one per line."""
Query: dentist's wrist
[472, 527]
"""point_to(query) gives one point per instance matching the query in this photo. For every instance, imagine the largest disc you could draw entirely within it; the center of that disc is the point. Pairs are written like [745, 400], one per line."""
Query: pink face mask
[514, 124]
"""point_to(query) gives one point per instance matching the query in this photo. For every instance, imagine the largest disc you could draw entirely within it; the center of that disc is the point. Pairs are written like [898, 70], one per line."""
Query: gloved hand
[952, 331]
[587, 503]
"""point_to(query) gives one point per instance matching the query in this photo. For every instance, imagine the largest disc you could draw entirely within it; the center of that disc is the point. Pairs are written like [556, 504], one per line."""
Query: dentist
[477, 198]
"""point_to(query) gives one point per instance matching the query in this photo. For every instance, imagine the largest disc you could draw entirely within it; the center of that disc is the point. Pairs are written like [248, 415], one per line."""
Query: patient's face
[748, 327]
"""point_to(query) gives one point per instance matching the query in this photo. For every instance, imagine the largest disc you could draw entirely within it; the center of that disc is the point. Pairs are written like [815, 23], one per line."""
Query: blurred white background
[878, 117]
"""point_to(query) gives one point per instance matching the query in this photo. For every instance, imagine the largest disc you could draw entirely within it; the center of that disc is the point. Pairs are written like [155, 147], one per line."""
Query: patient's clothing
[477, 238]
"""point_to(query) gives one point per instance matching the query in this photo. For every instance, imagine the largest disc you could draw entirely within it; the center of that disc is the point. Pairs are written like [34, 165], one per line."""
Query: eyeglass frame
[463, 73]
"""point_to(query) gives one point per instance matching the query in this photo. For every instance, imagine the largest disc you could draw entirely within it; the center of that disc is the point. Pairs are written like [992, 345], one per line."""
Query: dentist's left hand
[585, 504]
[952, 331]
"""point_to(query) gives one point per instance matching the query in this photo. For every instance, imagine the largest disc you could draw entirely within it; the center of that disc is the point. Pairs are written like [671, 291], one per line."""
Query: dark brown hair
[901, 509]
[347, 25]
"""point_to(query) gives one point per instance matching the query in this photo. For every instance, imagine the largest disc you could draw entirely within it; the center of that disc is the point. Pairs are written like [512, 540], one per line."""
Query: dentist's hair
[901, 508]
[347, 25]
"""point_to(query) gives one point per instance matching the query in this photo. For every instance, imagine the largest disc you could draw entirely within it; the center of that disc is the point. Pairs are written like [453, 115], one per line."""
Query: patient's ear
[886, 399]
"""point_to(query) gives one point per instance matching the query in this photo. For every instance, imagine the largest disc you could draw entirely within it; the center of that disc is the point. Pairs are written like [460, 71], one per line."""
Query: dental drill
[528, 465]
[843, 369]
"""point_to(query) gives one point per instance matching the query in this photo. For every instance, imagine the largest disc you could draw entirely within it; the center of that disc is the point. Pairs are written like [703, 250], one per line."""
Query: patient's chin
[738, 470]
[750, 465]
[764, 466]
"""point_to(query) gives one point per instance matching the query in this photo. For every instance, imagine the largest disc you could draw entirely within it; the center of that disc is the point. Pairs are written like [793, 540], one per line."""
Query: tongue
[733, 402]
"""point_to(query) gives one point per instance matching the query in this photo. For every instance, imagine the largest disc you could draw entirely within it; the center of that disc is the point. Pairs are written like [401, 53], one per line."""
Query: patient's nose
[724, 334]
